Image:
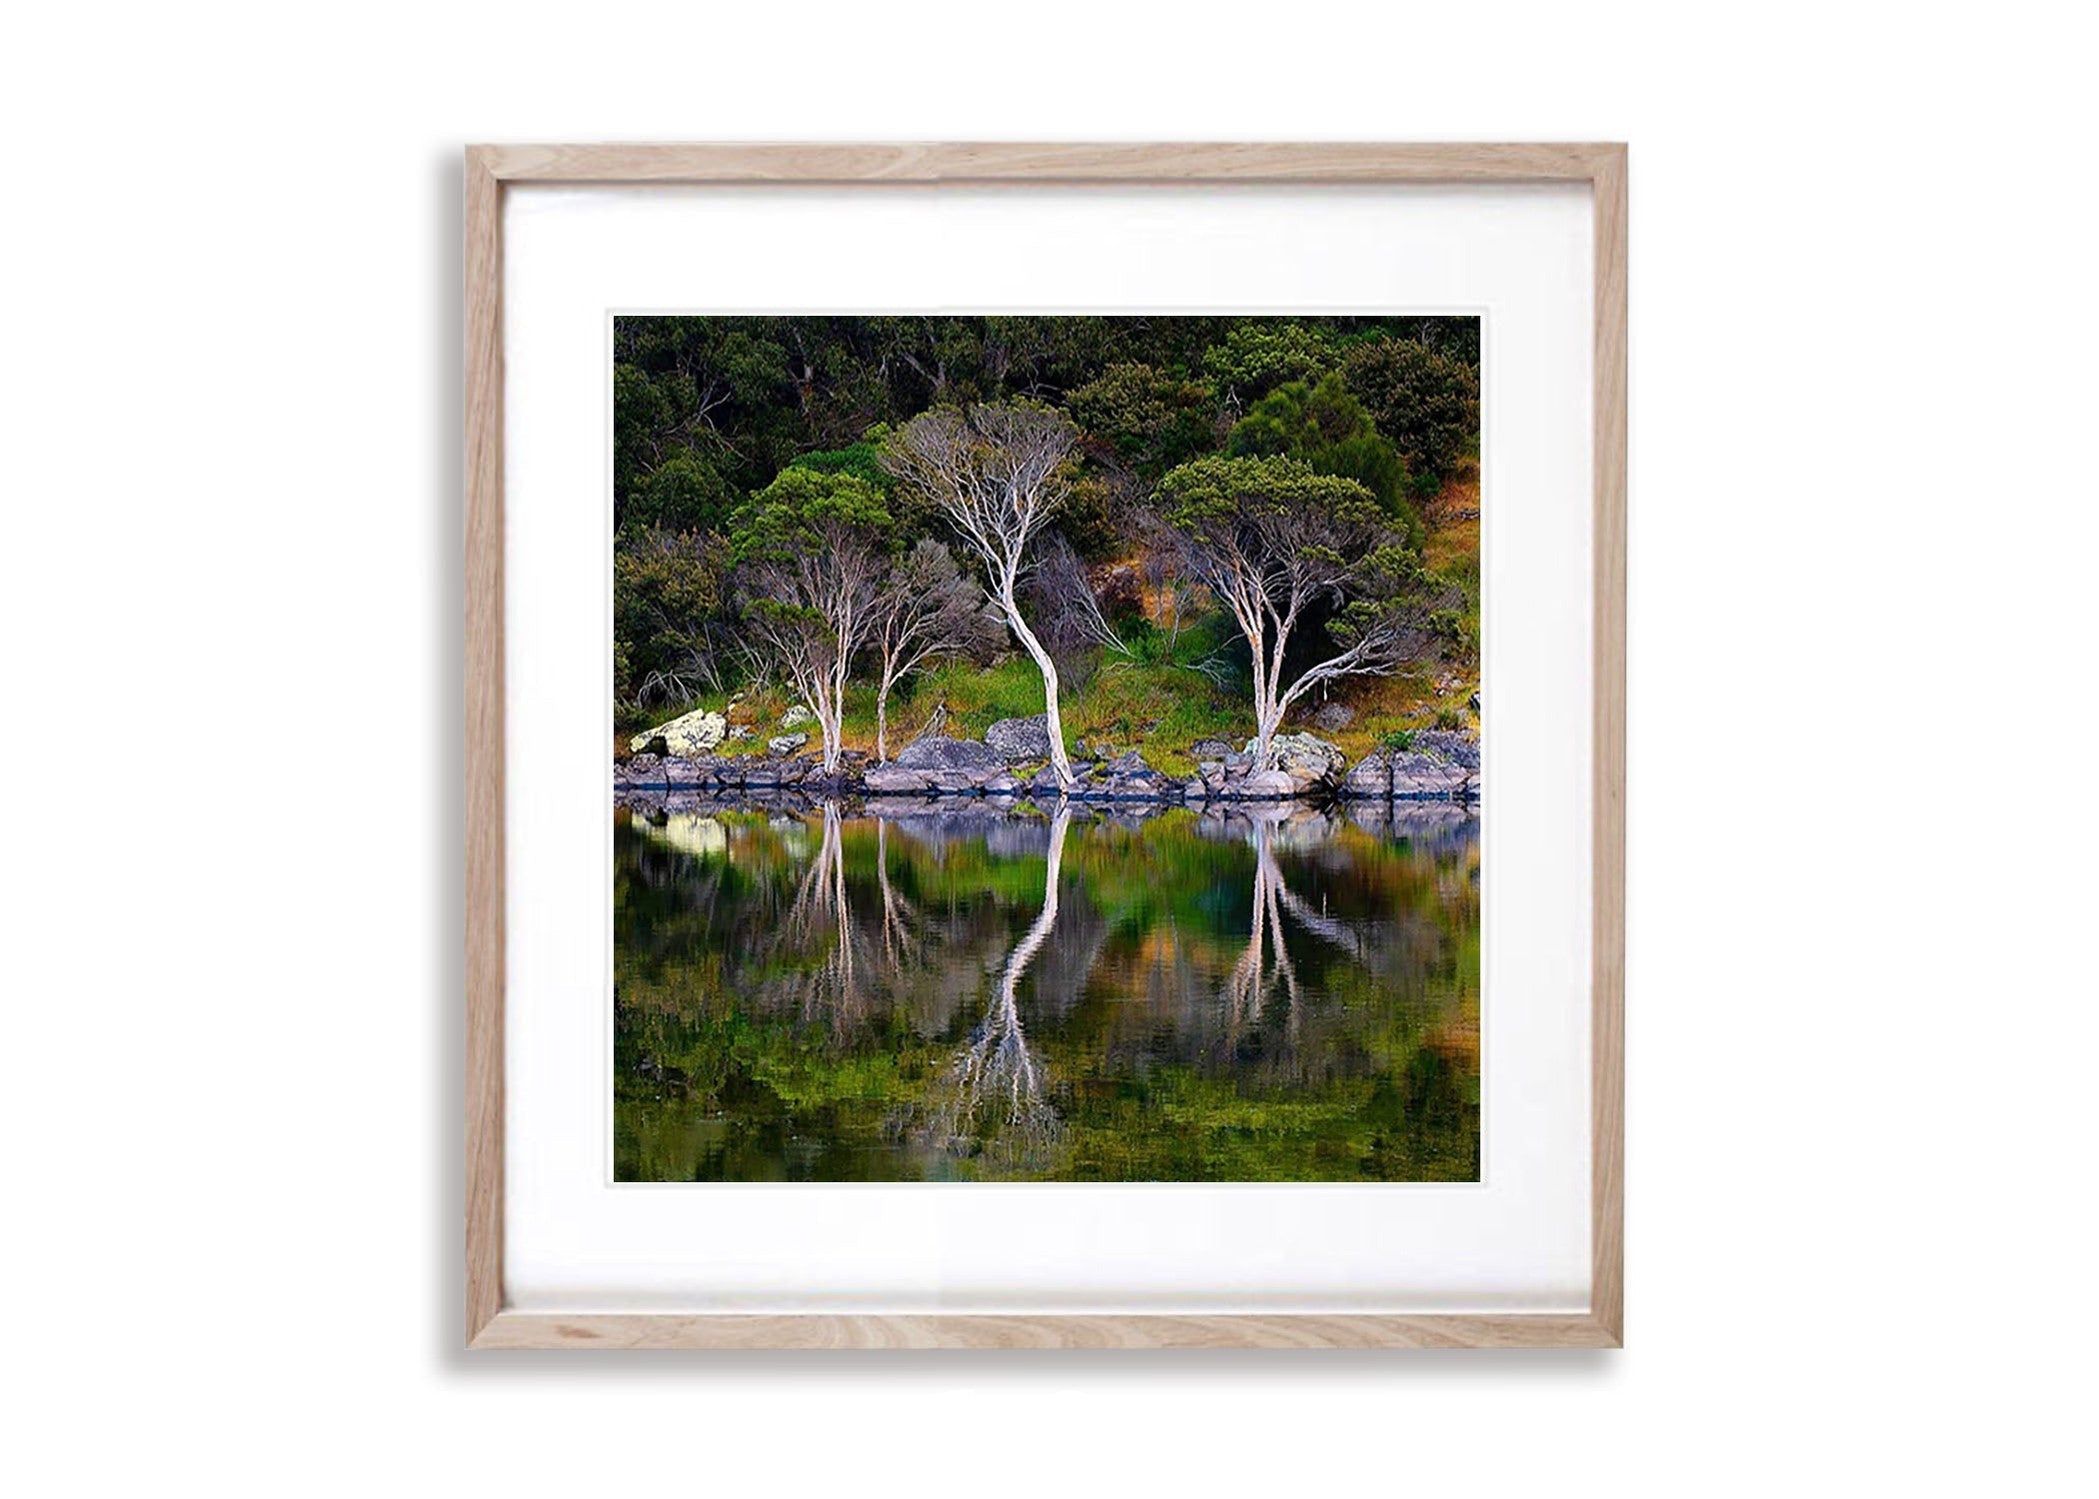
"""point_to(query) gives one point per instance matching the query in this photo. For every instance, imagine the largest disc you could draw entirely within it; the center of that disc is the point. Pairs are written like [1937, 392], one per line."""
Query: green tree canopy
[1148, 419]
[1426, 404]
[1222, 494]
[862, 460]
[1330, 431]
[710, 412]
[683, 493]
[807, 508]
[1255, 357]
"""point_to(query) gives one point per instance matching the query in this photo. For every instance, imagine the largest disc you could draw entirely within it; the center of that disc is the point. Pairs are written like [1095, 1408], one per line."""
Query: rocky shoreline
[1010, 762]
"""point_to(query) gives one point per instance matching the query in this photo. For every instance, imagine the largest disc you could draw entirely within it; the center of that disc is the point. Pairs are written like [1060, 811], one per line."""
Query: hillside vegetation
[714, 417]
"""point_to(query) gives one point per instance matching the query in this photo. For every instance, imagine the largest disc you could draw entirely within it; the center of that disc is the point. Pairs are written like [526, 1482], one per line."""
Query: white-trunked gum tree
[1279, 544]
[811, 557]
[998, 474]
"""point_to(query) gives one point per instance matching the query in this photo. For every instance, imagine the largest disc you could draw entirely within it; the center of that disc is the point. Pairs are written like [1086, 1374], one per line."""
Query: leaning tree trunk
[834, 719]
[1268, 712]
[1270, 700]
[1054, 721]
[826, 704]
[834, 740]
[1268, 718]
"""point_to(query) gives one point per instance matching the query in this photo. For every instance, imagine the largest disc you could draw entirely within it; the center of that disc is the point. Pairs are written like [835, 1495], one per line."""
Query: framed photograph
[1045, 745]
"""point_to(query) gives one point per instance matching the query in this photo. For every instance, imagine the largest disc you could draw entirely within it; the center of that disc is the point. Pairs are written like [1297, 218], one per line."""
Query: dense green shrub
[684, 493]
[1329, 429]
[1149, 420]
[668, 615]
[1260, 354]
[1425, 404]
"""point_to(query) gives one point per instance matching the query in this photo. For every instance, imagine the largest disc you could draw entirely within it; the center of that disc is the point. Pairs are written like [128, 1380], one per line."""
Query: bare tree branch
[924, 609]
[998, 474]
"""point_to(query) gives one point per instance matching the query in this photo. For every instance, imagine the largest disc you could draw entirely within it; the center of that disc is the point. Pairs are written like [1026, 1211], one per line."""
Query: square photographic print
[1046, 748]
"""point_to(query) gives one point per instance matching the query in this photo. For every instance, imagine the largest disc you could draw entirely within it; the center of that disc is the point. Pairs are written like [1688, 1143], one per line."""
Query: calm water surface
[934, 992]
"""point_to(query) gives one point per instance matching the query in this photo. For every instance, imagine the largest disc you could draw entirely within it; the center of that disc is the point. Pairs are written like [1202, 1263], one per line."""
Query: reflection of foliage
[836, 997]
[994, 1100]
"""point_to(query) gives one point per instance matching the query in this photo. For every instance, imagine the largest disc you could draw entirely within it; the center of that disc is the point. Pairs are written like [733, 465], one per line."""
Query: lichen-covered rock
[675, 771]
[895, 779]
[1333, 717]
[1432, 765]
[1020, 739]
[1306, 759]
[1454, 745]
[796, 716]
[785, 744]
[1265, 785]
[1005, 783]
[1209, 749]
[1128, 778]
[938, 753]
[694, 734]
[1420, 776]
[1369, 776]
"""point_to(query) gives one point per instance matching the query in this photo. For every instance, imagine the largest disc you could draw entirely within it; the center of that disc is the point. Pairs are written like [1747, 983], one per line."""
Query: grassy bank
[1155, 698]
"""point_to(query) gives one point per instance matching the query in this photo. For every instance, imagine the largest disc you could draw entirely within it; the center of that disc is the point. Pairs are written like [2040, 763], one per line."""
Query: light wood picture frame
[490, 171]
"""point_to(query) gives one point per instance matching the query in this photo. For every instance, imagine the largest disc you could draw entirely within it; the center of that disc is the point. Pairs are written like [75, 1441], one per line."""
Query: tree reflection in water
[995, 1086]
[933, 990]
[1266, 961]
[857, 955]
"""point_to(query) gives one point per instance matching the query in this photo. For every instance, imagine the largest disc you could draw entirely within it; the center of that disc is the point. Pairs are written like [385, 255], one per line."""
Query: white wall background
[1860, 1200]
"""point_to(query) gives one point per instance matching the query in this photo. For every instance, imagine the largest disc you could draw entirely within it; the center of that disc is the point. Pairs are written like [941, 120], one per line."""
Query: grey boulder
[1434, 765]
[938, 753]
[1306, 759]
[1019, 739]
[896, 778]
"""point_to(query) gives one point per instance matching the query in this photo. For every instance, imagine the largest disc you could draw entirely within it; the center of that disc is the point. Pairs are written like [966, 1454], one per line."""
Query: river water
[952, 991]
